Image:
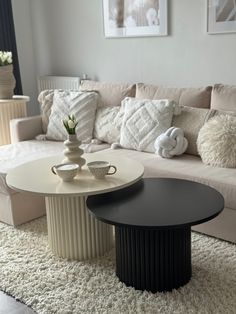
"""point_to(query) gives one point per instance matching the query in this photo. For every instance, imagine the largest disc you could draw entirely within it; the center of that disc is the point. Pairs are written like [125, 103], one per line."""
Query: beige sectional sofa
[199, 105]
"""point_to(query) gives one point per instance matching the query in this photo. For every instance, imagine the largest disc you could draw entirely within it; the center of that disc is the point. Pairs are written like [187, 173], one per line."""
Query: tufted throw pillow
[217, 141]
[80, 104]
[144, 120]
[108, 123]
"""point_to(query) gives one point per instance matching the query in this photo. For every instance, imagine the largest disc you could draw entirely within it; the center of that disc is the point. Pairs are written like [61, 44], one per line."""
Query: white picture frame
[138, 18]
[221, 16]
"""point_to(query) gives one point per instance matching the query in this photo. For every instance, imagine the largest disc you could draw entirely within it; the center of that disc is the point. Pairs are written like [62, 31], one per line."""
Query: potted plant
[7, 80]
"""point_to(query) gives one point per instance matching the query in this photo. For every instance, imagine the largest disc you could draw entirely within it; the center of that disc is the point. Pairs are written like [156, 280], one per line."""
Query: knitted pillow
[144, 120]
[217, 141]
[108, 123]
[45, 99]
[80, 104]
[171, 143]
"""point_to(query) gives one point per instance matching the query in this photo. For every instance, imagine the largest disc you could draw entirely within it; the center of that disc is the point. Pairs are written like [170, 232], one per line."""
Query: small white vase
[73, 152]
[7, 82]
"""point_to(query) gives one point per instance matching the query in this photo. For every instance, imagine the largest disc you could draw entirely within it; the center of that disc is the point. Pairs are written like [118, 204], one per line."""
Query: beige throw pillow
[80, 104]
[191, 97]
[110, 94]
[190, 121]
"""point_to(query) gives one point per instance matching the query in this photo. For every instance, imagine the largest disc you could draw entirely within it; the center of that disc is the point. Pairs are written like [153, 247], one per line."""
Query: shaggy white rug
[30, 273]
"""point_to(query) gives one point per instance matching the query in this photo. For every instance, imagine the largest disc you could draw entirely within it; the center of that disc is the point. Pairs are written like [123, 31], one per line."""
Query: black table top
[158, 203]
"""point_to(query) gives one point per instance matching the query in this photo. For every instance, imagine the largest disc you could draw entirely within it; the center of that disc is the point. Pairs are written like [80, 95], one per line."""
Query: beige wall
[68, 39]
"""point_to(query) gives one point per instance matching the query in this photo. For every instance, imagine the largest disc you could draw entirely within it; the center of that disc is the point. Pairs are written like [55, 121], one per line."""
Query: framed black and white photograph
[221, 16]
[135, 18]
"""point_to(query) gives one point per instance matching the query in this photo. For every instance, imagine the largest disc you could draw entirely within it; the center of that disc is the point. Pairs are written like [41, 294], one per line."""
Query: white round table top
[36, 177]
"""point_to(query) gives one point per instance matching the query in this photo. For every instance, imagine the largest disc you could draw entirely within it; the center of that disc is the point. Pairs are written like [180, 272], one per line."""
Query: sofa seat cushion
[16, 154]
[187, 167]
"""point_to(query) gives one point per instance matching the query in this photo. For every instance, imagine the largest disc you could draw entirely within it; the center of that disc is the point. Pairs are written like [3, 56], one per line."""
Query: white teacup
[66, 171]
[100, 169]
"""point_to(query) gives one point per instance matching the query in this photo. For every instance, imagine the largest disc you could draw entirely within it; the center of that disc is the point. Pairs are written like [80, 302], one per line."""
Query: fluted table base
[10, 109]
[153, 260]
[72, 232]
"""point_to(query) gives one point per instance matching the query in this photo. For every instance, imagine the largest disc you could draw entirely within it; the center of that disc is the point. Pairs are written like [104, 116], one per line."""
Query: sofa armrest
[24, 129]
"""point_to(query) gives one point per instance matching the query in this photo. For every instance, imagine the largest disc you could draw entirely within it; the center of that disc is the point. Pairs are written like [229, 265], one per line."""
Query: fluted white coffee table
[73, 233]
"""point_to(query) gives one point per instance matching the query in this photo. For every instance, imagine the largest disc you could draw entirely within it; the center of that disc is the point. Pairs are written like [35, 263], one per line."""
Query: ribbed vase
[73, 152]
[7, 82]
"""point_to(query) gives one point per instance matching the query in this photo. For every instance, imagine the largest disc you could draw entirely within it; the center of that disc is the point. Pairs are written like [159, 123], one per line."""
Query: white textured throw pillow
[144, 120]
[80, 104]
[216, 141]
[108, 123]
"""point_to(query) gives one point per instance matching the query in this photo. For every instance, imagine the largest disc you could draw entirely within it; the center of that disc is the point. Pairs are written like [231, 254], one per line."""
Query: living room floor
[10, 306]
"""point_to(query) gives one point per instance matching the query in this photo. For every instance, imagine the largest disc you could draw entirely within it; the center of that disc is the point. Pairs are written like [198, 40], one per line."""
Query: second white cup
[100, 169]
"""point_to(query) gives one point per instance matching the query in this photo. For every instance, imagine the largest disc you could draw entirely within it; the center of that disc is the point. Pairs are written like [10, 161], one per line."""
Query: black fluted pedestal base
[153, 259]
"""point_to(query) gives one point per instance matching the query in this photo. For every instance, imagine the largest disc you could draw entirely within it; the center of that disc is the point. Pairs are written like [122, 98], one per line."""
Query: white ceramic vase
[7, 82]
[73, 152]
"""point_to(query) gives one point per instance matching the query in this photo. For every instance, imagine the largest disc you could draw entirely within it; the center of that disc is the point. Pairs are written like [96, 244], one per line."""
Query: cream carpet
[30, 273]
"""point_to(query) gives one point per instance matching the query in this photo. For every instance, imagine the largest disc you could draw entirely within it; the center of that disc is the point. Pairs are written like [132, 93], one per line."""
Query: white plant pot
[73, 152]
[7, 82]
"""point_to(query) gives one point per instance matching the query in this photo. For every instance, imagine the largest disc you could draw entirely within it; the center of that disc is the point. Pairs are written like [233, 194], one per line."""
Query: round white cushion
[216, 141]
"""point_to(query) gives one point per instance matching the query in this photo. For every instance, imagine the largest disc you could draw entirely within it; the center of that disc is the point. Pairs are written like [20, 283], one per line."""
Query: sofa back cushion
[191, 97]
[190, 121]
[224, 98]
[110, 94]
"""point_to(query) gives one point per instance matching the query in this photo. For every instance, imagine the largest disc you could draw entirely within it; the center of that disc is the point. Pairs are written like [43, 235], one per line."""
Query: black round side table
[153, 220]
